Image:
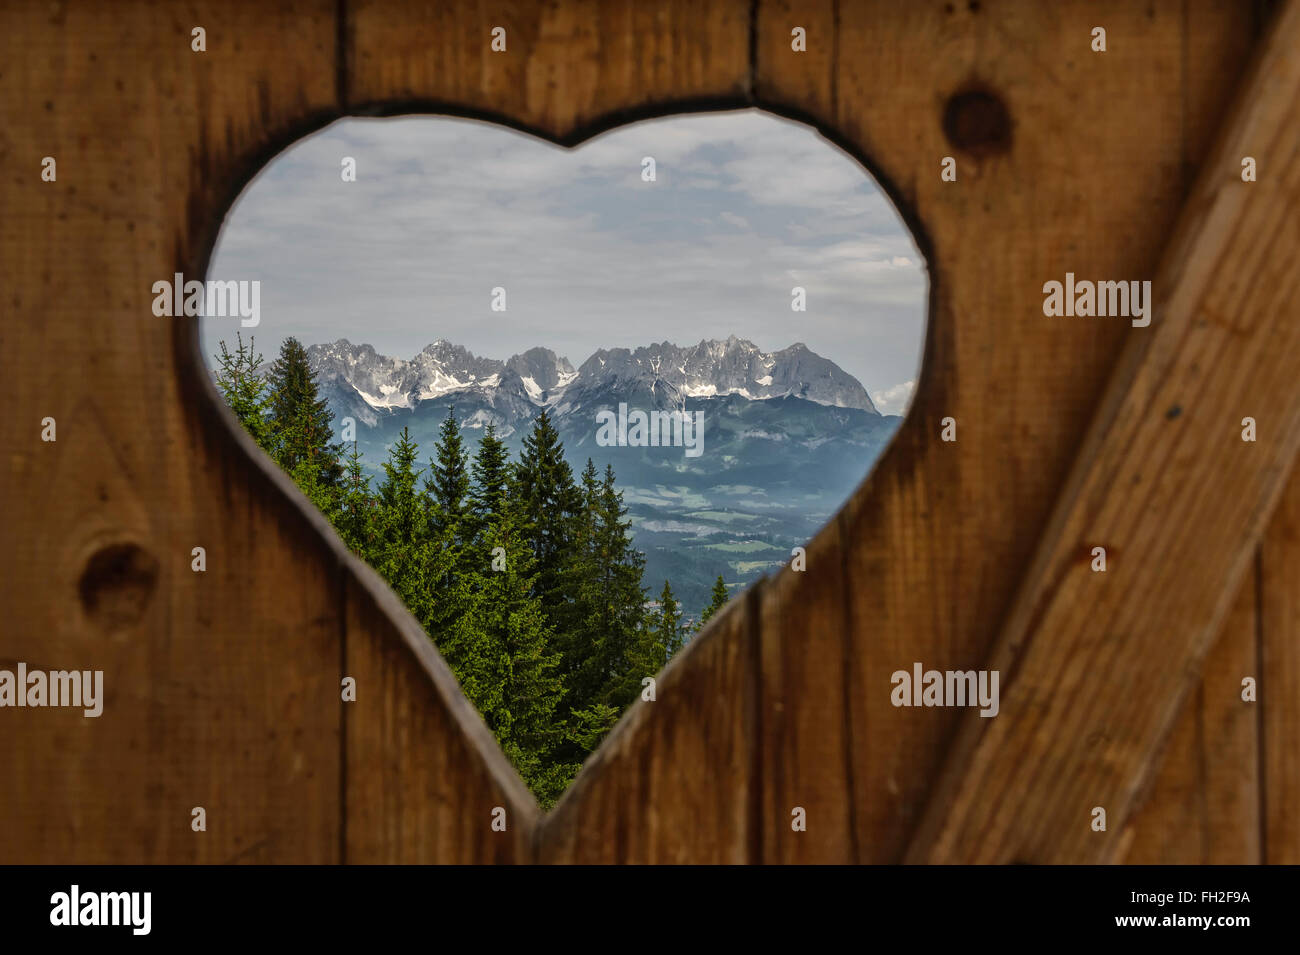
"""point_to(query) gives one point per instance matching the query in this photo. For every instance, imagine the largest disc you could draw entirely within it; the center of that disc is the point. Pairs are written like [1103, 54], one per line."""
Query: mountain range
[787, 435]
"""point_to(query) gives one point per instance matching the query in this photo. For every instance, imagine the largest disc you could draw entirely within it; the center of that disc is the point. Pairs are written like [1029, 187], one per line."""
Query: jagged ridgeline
[786, 436]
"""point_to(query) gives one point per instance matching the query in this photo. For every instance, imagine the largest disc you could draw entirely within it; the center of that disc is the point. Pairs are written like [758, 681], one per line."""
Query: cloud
[745, 206]
[894, 400]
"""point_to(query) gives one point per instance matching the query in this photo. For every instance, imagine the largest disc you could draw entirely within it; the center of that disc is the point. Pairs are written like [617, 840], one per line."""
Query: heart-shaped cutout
[561, 528]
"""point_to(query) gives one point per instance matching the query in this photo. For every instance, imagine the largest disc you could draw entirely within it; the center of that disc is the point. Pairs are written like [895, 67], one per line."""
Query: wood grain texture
[223, 688]
[220, 687]
[1203, 807]
[1279, 683]
[570, 67]
[1165, 481]
[810, 721]
[1200, 807]
[935, 540]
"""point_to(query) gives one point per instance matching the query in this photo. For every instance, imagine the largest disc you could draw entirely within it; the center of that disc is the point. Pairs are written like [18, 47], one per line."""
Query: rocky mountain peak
[360, 380]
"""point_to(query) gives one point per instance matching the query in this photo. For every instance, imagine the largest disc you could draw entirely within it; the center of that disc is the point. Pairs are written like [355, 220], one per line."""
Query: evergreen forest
[523, 575]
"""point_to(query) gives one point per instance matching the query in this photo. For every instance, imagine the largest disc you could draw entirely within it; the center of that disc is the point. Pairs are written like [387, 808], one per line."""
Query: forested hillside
[787, 436]
[524, 576]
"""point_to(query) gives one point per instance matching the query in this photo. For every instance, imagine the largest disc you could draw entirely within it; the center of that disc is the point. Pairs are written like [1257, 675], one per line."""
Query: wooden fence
[1120, 690]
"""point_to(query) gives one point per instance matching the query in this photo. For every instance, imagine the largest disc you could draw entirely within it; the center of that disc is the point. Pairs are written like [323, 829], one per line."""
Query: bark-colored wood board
[219, 685]
[1204, 804]
[1203, 807]
[934, 539]
[809, 720]
[229, 680]
[801, 80]
[1162, 472]
[568, 68]
[1279, 682]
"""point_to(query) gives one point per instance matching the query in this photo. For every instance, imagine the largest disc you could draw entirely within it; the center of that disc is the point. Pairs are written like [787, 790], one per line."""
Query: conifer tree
[404, 549]
[668, 625]
[527, 581]
[302, 417]
[576, 618]
[244, 389]
[659, 638]
[449, 480]
[488, 502]
[587, 727]
[476, 652]
[307, 475]
[610, 598]
[544, 492]
[717, 598]
[356, 511]
[577, 621]
[518, 639]
[491, 472]
[590, 488]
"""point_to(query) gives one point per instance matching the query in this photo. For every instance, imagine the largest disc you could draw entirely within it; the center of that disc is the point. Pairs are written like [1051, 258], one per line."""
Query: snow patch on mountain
[365, 384]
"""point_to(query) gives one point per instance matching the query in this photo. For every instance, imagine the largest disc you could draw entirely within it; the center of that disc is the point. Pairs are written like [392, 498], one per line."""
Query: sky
[744, 207]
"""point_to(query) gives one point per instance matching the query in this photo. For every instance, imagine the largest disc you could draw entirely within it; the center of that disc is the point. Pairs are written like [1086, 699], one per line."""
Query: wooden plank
[1204, 804]
[416, 774]
[230, 679]
[220, 686]
[809, 716]
[1097, 666]
[223, 687]
[934, 539]
[568, 71]
[1279, 682]
[1204, 807]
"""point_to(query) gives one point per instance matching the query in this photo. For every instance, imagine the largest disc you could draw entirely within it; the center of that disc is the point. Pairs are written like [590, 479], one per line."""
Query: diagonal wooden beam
[1095, 666]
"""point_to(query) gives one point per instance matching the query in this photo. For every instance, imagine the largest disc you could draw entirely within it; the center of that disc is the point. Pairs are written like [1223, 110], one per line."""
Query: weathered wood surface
[1203, 808]
[1279, 667]
[941, 532]
[1166, 483]
[223, 688]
